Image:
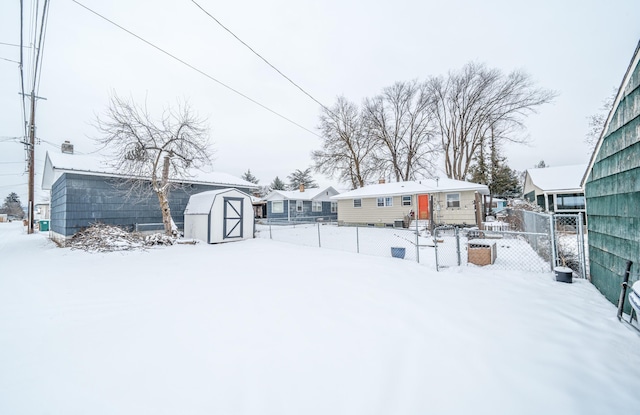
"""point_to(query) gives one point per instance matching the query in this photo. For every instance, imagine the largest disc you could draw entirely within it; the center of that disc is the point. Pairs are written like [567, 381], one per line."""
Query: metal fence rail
[411, 244]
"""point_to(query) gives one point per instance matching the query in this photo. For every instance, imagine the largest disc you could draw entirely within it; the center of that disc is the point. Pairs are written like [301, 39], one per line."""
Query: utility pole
[32, 159]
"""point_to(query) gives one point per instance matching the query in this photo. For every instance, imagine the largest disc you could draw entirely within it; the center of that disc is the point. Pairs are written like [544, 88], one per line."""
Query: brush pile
[107, 238]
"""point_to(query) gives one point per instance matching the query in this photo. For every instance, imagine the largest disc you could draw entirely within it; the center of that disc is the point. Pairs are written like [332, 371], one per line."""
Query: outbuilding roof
[307, 194]
[201, 203]
[426, 186]
[58, 163]
[558, 178]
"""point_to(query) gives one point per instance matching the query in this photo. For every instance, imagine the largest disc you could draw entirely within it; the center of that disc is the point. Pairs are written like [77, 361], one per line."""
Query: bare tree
[346, 149]
[469, 103]
[399, 121]
[597, 121]
[156, 151]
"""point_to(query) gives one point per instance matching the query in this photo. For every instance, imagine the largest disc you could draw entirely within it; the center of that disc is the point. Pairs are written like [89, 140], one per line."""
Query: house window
[406, 200]
[570, 201]
[316, 206]
[385, 201]
[357, 203]
[299, 206]
[453, 200]
[277, 206]
[334, 207]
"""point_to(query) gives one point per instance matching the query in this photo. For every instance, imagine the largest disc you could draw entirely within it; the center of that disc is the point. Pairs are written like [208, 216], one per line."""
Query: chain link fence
[497, 249]
[523, 240]
[413, 243]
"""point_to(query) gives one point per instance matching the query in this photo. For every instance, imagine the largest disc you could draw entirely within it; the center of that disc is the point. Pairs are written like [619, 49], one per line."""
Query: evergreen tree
[12, 206]
[299, 177]
[278, 184]
[250, 177]
[541, 165]
[491, 169]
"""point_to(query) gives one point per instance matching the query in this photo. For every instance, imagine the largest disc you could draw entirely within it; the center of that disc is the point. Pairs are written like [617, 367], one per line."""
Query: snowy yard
[265, 327]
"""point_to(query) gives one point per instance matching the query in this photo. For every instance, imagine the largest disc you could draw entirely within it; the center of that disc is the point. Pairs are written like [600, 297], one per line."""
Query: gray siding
[79, 200]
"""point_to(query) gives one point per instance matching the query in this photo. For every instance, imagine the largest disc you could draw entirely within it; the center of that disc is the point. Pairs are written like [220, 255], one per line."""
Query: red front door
[423, 206]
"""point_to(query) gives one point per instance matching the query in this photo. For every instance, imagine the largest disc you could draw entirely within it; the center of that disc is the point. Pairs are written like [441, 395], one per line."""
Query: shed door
[233, 217]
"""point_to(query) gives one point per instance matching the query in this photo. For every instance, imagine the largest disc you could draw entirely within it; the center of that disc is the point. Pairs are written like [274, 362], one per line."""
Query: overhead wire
[196, 69]
[9, 60]
[40, 58]
[10, 44]
[261, 57]
[24, 107]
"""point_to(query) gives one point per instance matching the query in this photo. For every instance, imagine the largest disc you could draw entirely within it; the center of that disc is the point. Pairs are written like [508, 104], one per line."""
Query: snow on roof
[97, 165]
[307, 194]
[201, 203]
[558, 178]
[413, 187]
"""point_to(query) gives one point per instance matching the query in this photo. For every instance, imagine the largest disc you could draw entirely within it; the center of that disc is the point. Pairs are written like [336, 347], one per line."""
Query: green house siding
[612, 191]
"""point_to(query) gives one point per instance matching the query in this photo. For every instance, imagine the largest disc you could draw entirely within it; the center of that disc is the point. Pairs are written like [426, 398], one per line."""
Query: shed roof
[558, 178]
[201, 203]
[97, 165]
[413, 187]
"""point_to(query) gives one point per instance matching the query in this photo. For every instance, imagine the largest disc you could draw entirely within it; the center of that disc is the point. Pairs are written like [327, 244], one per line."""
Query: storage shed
[217, 216]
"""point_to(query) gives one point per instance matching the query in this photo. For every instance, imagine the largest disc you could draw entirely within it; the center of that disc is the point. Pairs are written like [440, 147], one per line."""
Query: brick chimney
[301, 187]
[381, 181]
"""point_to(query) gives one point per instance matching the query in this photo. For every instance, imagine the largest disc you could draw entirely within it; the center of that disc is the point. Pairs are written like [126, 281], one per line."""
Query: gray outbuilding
[216, 216]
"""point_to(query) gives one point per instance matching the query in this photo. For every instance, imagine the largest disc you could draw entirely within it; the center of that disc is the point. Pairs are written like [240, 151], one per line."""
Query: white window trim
[334, 207]
[354, 203]
[387, 201]
[404, 202]
[299, 206]
[316, 206]
[453, 194]
[279, 203]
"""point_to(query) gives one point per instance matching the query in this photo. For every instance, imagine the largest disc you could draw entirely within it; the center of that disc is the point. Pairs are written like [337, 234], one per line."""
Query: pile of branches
[107, 238]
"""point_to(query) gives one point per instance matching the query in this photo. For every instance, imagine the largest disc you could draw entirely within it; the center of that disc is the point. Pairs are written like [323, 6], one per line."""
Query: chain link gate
[569, 242]
[446, 240]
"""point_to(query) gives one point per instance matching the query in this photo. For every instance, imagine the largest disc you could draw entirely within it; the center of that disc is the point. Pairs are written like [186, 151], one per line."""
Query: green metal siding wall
[613, 196]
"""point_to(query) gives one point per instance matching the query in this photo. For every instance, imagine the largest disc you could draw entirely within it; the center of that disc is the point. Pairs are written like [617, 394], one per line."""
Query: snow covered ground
[264, 327]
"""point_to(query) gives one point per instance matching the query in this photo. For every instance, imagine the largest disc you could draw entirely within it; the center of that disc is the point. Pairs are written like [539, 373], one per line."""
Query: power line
[13, 44]
[9, 60]
[260, 56]
[24, 104]
[196, 69]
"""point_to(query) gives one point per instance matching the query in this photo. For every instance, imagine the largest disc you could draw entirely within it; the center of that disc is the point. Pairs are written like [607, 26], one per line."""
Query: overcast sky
[355, 48]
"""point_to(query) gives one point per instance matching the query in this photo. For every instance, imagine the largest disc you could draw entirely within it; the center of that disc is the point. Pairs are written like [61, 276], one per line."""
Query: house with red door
[443, 201]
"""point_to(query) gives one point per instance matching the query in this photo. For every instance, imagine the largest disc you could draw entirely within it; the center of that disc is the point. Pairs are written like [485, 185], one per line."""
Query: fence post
[582, 255]
[552, 233]
[435, 245]
[357, 239]
[457, 233]
[319, 244]
[417, 244]
[270, 234]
